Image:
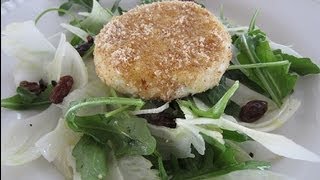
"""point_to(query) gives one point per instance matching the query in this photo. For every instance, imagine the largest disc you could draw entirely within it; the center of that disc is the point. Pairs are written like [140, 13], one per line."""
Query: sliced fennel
[178, 141]
[57, 145]
[131, 167]
[275, 143]
[67, 61]
[151, 111]
[30, 47]
[76, 31]
[251, 174]
[19, 140]
[96, 19]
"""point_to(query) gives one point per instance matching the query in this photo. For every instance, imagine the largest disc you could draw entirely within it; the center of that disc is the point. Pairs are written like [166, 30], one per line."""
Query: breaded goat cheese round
[164, 50]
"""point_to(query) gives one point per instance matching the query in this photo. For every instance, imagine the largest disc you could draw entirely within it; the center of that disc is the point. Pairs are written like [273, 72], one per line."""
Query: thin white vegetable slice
[152, 111]
[20, 138]
[76, 31]
[277, 144]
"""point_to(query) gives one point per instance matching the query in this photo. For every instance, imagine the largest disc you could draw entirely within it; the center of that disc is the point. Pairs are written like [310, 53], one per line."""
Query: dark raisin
[53, 83]
[251, 154]
[161, 119]
[43, 85]
[31, 86]
[61, 90]
[30, 125]
[83, 48]
[253, 111]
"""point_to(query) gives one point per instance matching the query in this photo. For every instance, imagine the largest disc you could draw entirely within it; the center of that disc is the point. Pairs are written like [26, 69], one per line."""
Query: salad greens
[301, 66]
[25, 99]
[91, 158]
[86, 4]
[128, 135]
[277, 81]
[97, 134]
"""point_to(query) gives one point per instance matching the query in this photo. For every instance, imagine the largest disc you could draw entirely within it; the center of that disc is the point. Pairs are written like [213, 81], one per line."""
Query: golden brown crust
[163, 50]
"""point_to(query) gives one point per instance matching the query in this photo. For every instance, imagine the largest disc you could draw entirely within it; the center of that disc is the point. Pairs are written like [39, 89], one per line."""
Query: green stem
[116, 111]
[260, 73]
[253, 21]
[258, 65]
[55, 9]
[104, 100]
[217, 110]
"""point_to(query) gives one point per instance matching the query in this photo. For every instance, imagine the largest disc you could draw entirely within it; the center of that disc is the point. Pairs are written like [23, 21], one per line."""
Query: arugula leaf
[212, 96]
[236, 74]
[162, 171]
[97, 18]
[259, 165]
[276, 81]
[65, 6]
[91, 158]
[149, 1]
[301, 66]
[26, 100]
[129, 135]
[86, 4]
[235, 136]
[218, 109]
[213, 163]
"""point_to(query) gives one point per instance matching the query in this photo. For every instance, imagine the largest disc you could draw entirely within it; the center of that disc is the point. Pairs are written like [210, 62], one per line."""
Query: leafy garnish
[86, 4]
[129, 135]
[235, 136]
[91, 158]
[215, 111]
[212, 96]
[276, 81]
[149, 1]
[213, 163]
[24, 99]
[97, 18]
[301, 66]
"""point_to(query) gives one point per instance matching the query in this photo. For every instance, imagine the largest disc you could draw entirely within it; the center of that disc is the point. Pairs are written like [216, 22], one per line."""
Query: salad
[90, 131]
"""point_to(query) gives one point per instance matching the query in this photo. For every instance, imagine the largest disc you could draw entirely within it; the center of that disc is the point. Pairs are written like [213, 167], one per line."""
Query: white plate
[289, 22]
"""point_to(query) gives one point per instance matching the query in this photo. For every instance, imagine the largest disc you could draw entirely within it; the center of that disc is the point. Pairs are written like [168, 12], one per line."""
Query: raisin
[253, 111]
[43, 85]
[54, 83]
[31, 86]
[83, 48]
[251, 154]
[61, 90]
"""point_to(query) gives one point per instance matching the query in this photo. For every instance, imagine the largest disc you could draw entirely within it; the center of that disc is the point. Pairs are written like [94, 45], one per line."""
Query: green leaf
[65, 6]
[162, 171]
[218, 109]
[226, 158]
[91, 158]
[235, 136]
[214, 162]
[96, 19]
[71, 113]
[243, 79]
[26, 96]
[129, 135]
[26, 100]
[259, 165]
[301, 66]
[149, 1]
[276, 81]
[115, 6]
